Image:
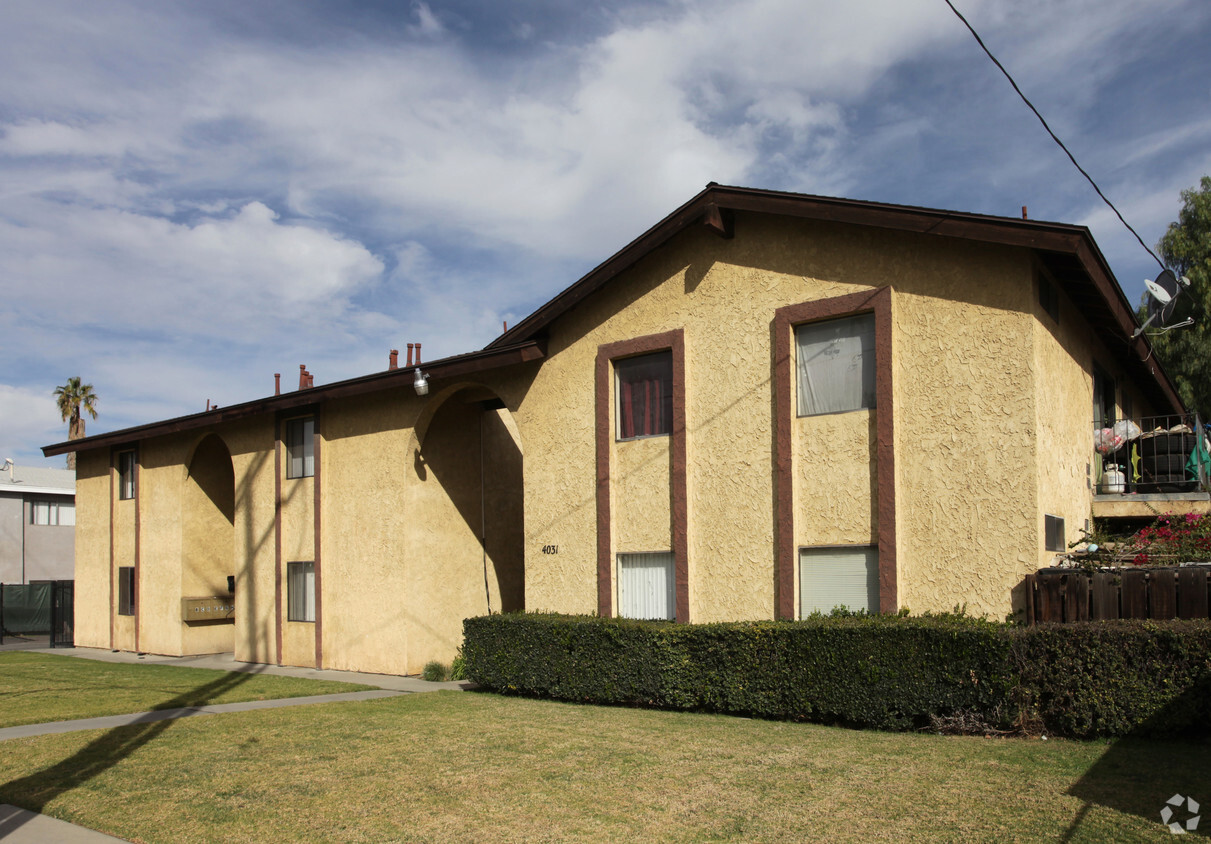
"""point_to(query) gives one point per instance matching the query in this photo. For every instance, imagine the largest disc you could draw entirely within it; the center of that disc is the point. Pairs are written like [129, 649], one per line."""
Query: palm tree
[74, 397]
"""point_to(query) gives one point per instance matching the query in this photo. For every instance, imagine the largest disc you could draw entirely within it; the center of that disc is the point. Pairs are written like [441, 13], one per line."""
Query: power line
[1053, 135]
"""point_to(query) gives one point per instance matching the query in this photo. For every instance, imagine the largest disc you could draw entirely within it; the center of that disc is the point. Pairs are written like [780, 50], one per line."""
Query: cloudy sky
[194, 196]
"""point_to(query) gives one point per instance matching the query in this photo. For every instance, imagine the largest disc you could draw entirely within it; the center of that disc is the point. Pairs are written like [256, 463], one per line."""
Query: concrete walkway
[19, 826]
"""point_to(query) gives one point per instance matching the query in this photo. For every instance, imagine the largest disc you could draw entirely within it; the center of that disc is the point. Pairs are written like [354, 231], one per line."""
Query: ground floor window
[126, 590]
[52, 513]
[300, 591]
[838, 577]
[646, 585]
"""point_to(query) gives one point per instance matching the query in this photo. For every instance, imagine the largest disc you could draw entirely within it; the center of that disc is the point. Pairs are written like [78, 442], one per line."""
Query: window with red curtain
[645, 395]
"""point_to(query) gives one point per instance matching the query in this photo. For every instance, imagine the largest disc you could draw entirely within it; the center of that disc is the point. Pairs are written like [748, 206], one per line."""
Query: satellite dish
[1163, 294]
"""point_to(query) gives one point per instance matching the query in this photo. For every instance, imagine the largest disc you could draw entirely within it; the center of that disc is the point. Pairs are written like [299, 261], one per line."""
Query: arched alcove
[466, 506]
[208, 542]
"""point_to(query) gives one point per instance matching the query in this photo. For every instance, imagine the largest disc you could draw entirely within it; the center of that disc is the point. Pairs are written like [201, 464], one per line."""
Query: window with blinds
[838, 577]
[646, 586]
[300, 591]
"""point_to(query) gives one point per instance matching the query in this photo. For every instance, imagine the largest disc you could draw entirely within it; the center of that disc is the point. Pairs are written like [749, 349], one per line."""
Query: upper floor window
[126, 474]
[52, 513]
[836, 365]
[300, 447]
[645, 395]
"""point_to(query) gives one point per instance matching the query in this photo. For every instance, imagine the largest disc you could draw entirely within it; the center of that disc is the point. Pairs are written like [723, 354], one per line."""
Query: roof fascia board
[19, 489]
[452, 367]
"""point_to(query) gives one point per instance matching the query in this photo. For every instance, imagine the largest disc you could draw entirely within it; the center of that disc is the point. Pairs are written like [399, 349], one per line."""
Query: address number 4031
[550, 549]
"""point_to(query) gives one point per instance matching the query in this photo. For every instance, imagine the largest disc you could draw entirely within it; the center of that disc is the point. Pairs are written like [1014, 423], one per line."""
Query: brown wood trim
[277, 539]
[113, 492]
[451, 367]
[315, 513]
[138, 570]
[878, 302]
[673, 341]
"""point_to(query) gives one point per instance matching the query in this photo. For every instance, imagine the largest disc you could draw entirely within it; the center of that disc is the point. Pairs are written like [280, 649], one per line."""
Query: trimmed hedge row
[885, 672]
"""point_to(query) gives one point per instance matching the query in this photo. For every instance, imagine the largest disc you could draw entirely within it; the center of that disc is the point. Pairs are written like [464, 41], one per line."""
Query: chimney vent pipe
[393, 359]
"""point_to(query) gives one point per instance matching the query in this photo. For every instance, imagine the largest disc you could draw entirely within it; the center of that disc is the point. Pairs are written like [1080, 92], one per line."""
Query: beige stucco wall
[963, 386]
[1063, 363]
[298, 545]
[92, 605]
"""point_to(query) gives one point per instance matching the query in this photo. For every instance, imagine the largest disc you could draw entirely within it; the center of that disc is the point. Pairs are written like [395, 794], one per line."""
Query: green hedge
[885, 672]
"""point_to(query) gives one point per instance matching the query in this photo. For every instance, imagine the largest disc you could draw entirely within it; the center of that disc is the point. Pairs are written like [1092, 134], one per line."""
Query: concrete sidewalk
[227, 662]
[19, 826]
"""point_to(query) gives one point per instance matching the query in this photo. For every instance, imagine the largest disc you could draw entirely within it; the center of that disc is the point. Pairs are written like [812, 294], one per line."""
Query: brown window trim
[785, 320]
[673, 341]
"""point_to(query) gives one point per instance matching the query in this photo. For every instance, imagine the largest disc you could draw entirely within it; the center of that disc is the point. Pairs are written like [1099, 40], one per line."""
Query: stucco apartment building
[37, 523]
[767, 404]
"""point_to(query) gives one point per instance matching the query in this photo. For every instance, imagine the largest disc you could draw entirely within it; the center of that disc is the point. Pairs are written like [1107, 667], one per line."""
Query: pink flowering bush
[1173, 538]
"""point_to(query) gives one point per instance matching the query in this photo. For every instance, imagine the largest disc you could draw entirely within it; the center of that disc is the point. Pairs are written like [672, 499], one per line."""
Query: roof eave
[451, 367]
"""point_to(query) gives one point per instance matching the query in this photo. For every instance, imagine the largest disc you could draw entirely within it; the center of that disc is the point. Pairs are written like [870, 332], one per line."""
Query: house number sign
[218, 608]
[550, 549]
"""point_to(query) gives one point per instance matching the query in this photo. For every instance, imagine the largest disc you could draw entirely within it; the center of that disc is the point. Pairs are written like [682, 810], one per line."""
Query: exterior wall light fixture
[421, 384]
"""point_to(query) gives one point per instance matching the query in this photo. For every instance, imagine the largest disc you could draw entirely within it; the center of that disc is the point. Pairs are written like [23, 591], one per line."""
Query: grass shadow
[36, 790]
[1165, 756]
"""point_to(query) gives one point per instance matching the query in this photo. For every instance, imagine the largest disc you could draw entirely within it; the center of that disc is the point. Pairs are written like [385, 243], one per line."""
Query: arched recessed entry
[208, 544]
[466, 517]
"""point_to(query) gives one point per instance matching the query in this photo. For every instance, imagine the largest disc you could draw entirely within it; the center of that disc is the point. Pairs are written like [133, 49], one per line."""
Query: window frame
[300, 605]
[670, 597]
[127, 463]
[126, 590]
[665, 358]
[870, 553]
[1054, 533]
[869, 373]
[305, 441]
[54, 512]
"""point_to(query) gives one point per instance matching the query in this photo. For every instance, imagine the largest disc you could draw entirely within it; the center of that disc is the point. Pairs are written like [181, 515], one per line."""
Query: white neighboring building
[37, 524]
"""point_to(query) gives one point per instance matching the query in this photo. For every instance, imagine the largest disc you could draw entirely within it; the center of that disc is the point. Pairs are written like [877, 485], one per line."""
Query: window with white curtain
[300, 447]
[838, 577]
[300, 591]
[645, 586]
[836, 365]
[52, 513]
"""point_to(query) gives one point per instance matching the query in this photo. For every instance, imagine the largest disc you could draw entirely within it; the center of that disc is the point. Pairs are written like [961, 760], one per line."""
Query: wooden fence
[1067, 595]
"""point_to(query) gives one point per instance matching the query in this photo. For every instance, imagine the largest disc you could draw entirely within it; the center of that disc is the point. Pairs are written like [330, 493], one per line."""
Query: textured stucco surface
[835, 479]
[92, 608]
[964, 376]
[640, 503]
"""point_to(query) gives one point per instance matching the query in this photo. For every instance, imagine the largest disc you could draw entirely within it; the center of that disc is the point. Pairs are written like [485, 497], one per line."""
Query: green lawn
[35, 688]
[465, 766]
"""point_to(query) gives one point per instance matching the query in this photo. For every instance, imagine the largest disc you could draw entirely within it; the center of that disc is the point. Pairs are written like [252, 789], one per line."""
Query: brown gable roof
[1068, 253]
[451, 367]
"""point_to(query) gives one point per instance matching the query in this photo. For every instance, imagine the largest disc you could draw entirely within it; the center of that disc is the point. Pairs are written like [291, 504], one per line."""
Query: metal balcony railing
[1152, 455]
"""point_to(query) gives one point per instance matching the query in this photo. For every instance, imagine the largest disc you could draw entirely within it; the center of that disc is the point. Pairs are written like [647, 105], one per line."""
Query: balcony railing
[1152, 455]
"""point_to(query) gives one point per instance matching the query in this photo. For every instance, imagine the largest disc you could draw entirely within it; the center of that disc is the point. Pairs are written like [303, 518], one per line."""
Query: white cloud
[28, 417]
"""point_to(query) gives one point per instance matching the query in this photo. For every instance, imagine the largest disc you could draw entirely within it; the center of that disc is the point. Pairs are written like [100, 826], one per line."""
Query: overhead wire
[1053, 135]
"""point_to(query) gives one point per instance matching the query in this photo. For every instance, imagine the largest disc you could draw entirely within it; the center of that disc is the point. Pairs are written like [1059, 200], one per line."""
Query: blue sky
[194, 196]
